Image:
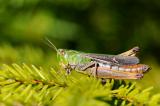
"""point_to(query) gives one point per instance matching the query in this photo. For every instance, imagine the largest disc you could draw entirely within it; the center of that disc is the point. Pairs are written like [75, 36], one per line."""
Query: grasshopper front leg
[68, 69]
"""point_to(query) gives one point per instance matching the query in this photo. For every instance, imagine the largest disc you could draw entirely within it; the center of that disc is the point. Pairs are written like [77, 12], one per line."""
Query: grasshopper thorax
[70, 57]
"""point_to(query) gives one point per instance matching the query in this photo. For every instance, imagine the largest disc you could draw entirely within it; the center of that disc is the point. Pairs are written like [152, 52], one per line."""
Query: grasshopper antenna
[50, 44]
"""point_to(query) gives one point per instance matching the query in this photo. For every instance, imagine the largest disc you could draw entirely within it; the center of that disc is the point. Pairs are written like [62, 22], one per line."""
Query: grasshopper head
[62, 56]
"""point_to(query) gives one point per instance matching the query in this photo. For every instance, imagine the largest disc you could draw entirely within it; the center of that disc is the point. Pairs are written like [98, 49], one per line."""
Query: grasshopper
[122, 66]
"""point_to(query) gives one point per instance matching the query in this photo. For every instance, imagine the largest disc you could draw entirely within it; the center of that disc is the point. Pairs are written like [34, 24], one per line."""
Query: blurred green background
[103, 26]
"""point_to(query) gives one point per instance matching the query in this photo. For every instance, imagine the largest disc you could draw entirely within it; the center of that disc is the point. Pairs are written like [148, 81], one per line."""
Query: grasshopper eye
[62, 52]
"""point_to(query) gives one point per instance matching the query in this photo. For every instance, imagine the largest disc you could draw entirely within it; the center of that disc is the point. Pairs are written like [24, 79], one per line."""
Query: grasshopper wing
[127, 60]
[131, 52]
[112, 59]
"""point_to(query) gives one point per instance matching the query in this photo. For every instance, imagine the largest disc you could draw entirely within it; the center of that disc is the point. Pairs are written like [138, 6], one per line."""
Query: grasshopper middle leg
[90, 65]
